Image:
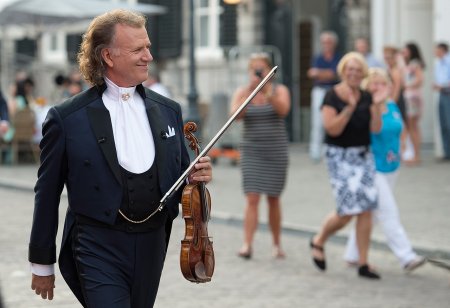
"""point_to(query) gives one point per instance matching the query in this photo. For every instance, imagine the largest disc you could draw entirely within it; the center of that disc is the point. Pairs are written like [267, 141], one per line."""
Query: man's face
[128, 57]
[439, 52]
[361, 46]
[328, 44]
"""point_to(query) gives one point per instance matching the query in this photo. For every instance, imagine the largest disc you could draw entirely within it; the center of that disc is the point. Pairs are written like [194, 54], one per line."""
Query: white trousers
[317, 131]
[388, 217]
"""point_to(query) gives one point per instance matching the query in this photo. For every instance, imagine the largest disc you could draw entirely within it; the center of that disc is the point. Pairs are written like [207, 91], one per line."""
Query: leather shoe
[365, 272]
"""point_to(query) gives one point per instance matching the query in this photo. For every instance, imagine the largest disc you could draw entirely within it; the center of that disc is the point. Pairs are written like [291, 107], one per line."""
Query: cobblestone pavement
[260, 282]
[423, 194]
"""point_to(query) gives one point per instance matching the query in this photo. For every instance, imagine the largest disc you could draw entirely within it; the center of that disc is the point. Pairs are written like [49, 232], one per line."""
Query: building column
[441, 24]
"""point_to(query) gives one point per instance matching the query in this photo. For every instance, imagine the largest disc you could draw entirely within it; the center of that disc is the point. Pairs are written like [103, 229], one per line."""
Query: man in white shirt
[442, 84]
[111, 147]
[362, 46]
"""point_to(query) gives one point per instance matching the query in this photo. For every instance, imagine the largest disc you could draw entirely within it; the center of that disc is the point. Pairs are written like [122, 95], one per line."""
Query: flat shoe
[245, 254]
[320, 263]
[417, 262]
[365, 272]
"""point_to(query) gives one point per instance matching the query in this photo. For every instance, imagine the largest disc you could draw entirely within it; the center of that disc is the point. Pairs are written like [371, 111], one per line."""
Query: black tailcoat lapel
[154, 118]
[101, 125]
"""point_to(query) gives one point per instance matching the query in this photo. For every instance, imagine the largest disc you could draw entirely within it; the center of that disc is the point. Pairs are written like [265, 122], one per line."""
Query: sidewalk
[257, 283]
[423, 196]
[422, 192]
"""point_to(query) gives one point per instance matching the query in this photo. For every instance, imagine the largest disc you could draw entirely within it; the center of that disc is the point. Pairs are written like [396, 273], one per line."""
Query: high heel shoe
[320, 263]
[365, 272]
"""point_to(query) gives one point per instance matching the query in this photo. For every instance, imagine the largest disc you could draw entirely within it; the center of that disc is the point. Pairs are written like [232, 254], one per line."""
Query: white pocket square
[171, 131]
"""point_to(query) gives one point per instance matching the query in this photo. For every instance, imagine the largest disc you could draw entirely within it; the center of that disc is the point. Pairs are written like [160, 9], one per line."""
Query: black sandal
[365, 272]
[321, 264]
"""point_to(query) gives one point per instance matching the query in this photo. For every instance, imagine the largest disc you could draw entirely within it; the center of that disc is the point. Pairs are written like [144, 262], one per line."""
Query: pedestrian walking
[385, 146]
[323, 73]
[264, 149]
[349, 115]
[442, 85]
[118, 148]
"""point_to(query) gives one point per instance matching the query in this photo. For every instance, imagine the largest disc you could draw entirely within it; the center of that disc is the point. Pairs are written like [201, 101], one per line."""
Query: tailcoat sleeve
[51, 178]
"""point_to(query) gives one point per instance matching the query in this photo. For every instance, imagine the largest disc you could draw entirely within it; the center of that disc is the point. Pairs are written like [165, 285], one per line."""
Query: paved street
[423, 194]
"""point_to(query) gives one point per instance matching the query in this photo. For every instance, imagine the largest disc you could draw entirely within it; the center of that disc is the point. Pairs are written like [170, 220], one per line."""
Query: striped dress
[264, 151]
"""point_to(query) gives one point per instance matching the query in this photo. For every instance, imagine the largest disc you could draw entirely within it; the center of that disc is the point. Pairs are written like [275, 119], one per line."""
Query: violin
[197, 254]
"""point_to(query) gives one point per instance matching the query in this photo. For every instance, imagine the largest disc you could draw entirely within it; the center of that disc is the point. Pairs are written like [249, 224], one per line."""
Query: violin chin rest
[200, 272]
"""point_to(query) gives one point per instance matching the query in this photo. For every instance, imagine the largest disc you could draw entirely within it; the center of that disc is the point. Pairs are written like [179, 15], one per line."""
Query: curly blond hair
[373, 73]
[352, 55]
[99, 35]
[263, 56]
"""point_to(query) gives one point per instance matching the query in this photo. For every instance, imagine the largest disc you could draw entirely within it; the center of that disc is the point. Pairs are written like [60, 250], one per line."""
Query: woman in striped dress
[264, 150]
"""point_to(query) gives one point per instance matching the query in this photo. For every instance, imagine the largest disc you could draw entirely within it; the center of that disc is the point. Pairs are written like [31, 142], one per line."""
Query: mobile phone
[259, 73]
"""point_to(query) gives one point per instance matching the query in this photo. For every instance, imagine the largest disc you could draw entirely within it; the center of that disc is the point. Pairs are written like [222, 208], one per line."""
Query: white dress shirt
[132, 134]
[132, 137]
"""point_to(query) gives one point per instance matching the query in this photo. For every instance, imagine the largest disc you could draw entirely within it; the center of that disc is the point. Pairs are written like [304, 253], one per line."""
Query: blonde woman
[264, 149]
[385, 146]
[349, 116]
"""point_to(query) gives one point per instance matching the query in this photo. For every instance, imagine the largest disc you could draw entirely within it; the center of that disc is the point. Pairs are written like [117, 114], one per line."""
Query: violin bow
[213, 141]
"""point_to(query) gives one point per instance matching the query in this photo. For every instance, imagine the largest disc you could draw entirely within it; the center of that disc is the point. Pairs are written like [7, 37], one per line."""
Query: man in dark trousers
[4, 115]
[323, 73]
[442, 84]
[118, 148]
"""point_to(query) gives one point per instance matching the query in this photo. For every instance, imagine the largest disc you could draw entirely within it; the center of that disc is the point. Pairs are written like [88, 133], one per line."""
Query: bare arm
[236, 102]
[321, 74]
[375, 118]
[280, 100]
[334, 123]
[376, 110]
[396, 84]
[418, 80]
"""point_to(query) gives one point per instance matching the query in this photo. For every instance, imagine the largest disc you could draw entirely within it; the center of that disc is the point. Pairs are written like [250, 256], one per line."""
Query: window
[53, 42]
[207, 16]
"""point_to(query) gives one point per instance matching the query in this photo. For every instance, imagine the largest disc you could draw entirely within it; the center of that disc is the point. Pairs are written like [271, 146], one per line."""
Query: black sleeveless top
[357, 130]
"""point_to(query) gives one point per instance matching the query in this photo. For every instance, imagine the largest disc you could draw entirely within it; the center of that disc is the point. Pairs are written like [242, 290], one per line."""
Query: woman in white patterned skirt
[264, 150]
[349, 116]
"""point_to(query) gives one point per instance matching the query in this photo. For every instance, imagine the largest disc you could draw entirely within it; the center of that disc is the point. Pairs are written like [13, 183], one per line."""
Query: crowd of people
[22, 99]
[365, 121]
[23, 96]
[108, 145]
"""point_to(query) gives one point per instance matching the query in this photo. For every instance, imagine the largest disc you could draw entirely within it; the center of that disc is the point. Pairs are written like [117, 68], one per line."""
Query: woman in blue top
[385, 147]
